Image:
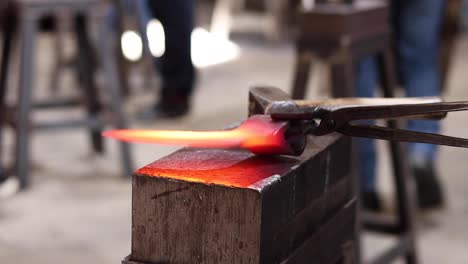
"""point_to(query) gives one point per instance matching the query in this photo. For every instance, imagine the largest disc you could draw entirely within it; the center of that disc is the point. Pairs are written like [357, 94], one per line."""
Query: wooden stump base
[230, 206]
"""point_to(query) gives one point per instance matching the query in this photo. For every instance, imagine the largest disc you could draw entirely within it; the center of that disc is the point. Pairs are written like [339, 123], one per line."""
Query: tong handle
[307, 109]
[385, 133]
[398, 111]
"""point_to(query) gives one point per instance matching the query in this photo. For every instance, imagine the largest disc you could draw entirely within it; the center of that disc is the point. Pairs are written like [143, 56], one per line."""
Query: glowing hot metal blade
[206, 139]
[259, 134]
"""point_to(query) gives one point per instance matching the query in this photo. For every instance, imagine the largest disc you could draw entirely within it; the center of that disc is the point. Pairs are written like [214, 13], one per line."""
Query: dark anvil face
[235, 168]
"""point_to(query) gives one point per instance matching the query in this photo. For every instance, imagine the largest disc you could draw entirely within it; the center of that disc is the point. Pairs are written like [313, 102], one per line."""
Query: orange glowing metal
[259, 134]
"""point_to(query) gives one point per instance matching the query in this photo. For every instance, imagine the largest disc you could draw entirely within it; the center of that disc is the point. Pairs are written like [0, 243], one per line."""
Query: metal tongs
[281, 126]
[340, 115]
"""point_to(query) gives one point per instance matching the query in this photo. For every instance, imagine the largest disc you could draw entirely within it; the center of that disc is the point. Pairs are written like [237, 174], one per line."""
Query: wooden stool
[341, 34]
[29, 12]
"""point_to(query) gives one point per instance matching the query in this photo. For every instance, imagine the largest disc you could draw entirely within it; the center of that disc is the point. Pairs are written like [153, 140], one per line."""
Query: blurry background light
[308, 4]
[207, 48]
[156, 38]
[132, 45]
[210, 49]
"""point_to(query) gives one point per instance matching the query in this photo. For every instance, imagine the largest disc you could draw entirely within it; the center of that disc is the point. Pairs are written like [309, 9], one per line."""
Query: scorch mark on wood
[156, 196]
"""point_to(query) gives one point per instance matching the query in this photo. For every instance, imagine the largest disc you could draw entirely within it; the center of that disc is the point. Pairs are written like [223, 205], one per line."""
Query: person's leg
[177, 70]
[465, 16]
[366, 80]
[8, 25]
[418, 36]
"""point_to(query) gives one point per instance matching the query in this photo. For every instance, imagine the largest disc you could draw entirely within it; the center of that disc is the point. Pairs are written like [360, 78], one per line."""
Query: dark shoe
[3, 175]
[429, 189]
[8, 185]
[370, 201]
[167, 108]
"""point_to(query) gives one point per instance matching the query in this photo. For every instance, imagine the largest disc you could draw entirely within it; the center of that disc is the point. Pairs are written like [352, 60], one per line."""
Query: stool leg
[86, 71]
[108, 62]
[301, 74]
[403, 179]
[59, 57]
[8, 32]
[122, 64]
[387, 71]
[28, 33]
[342, 79]
[5, 63]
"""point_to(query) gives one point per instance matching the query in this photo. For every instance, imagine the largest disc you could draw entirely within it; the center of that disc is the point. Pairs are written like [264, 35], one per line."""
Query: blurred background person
[465, 16]
[416, 26]
[8, 23]
[176, 67]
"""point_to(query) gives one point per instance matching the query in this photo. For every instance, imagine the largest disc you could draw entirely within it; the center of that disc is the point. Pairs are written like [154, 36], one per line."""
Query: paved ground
[78, 209]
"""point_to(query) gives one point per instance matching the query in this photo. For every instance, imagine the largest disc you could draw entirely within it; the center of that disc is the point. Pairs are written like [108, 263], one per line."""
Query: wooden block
[229, 206]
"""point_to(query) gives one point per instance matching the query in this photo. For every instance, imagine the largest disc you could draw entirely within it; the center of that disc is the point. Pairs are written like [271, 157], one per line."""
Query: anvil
[285, 125]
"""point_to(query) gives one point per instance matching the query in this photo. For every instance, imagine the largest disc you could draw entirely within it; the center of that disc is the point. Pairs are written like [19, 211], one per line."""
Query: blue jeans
[416, 25]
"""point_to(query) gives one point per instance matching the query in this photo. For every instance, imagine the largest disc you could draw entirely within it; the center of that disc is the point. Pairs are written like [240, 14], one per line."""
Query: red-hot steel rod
[259, 134]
